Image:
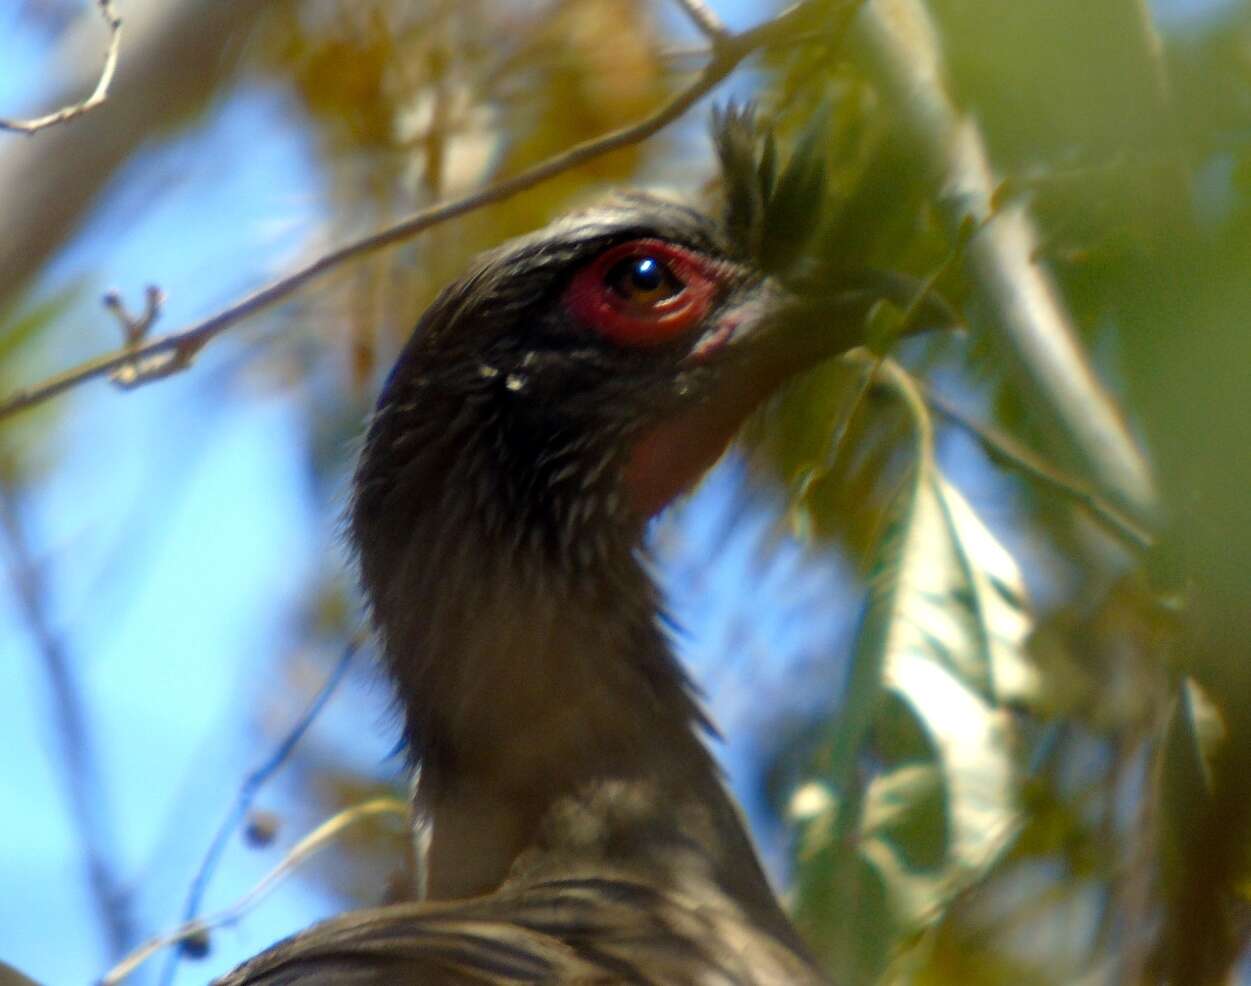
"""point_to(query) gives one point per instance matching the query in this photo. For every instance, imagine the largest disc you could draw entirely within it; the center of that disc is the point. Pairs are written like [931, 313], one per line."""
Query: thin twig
[98, 95]
[1011, 452]
[79, 774]
[135, 328]
[679, 53]
[247, 795]
[187, 342]
[1003, 448]
[306, 847]
[705, 19]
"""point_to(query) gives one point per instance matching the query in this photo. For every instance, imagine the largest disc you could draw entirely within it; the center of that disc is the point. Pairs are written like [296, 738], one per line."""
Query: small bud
[261, 829]
[197, 944]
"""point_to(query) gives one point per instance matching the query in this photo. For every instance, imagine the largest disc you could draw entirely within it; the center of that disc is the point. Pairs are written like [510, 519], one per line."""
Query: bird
[548, 405]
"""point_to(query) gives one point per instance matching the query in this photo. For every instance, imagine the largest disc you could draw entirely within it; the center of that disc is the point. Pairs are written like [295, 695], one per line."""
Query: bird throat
[526, 681]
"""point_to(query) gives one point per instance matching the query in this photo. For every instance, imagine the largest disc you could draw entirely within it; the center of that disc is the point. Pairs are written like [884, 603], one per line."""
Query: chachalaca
[549, 403]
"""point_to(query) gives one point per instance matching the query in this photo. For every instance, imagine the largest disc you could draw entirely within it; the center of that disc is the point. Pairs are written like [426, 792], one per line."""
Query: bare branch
[98, 95]
[79, 774]
[135, 328]
[247, 795]
[320, 837]
[177, 56]
[186, 343]
[705, 19]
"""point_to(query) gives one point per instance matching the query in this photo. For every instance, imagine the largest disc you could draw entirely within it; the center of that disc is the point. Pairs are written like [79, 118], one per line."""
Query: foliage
[918, 793]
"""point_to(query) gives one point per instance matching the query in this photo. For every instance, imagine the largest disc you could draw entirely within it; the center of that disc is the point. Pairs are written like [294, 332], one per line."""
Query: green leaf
[923, 794]
[22, 324]
[1192, 738]
[27, 330]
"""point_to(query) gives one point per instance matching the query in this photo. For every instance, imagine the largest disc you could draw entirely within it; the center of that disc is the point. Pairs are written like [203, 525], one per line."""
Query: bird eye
[643, 281]
[644, 292]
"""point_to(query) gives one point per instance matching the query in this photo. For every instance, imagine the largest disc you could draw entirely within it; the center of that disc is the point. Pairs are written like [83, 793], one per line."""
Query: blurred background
[1058, 791]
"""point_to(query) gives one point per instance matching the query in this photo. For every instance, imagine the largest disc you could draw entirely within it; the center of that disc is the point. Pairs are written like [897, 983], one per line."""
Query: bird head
[577, 379]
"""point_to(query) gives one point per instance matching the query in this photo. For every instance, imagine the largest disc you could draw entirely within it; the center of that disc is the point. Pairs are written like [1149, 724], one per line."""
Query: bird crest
[770, 212]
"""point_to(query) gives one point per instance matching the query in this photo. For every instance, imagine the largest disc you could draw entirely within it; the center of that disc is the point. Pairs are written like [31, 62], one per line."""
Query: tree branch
[705, 19]
[98, 95]
[178, 55]
[165, 354]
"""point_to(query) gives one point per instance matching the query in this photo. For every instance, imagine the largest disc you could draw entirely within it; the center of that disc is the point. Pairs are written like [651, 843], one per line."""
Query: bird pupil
[647, 274]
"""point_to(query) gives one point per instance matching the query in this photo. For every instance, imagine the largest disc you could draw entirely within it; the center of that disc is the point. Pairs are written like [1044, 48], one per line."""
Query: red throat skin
[668, 459]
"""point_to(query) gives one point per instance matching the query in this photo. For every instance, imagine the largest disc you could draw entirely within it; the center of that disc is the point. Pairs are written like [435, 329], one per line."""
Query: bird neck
[556, 728]
[537, 684]
[534, 692]
[522, 682]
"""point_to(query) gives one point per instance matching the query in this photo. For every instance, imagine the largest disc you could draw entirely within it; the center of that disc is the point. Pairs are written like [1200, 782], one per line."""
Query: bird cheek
[669, 458]
[667, 462]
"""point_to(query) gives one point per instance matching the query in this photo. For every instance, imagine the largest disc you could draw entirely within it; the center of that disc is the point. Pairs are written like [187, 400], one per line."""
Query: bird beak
[782, 329]
[777, 331]
[848, 298]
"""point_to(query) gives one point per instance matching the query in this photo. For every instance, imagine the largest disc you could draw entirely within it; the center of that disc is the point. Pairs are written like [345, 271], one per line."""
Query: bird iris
[643, 280]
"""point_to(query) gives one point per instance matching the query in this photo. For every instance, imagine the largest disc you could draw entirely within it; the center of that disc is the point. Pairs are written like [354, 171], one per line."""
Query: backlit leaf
[920, 760]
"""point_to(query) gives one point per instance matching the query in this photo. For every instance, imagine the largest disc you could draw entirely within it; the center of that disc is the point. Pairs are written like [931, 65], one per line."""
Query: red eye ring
[593, 300]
